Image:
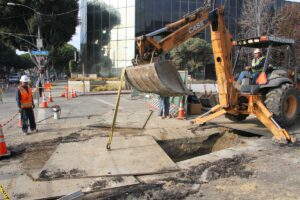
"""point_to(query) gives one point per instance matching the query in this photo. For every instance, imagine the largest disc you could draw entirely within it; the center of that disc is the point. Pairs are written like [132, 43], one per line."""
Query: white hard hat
[25, 79]
[257, 51]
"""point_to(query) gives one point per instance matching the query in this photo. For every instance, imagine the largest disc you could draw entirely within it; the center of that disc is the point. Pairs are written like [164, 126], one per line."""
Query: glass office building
[108, 27]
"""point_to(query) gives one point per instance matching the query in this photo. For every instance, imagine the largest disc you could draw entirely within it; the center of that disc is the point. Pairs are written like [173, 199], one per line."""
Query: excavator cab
[280, 90]
[279, 65]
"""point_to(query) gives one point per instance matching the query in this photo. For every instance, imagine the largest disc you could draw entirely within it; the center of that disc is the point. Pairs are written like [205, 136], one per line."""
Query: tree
[57, 21]
[192, 55]
[288, 24]
[62, 57]
[9, 59]
[257, 18]
[26, 61]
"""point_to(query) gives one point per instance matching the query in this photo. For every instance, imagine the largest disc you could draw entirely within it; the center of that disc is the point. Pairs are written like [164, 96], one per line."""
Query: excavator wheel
[283, 102]
[236, 118]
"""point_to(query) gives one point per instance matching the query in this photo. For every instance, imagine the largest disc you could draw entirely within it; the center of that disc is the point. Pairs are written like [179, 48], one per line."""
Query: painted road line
[41, 116]
[107, 103]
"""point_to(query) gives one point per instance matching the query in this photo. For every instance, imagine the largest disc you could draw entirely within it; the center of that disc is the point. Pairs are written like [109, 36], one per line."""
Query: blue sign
[41, 53]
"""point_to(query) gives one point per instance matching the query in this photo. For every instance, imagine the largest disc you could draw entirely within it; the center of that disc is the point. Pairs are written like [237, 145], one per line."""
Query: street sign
[39, 43]
[41, 53]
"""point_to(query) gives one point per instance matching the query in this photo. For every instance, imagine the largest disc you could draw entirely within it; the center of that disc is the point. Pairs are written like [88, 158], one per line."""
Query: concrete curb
[106, 93]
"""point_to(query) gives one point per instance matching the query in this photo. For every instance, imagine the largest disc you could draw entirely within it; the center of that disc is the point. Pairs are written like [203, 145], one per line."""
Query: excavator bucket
[160, 78]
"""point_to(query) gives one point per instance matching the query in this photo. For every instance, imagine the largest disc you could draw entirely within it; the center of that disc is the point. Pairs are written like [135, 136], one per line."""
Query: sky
[75, 41]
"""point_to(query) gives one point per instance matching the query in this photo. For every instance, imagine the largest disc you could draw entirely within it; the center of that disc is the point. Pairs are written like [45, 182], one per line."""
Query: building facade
[109, 27]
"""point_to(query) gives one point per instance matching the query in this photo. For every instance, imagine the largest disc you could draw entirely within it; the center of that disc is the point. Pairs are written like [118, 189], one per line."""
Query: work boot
[34, 131]
[25, 132]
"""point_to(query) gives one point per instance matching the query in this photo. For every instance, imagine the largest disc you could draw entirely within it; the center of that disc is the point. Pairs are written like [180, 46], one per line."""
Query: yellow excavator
[274, 101]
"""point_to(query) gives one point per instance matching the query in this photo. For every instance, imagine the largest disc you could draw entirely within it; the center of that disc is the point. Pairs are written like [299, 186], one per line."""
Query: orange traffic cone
[50, 99]
[20, 121]
[3, 150]
[75, 94]
[181, 112]
[72, 94]
[67, 92]
[44, 103]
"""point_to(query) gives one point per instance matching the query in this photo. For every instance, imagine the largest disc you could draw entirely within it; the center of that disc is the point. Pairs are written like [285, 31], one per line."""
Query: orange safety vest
[26, 97]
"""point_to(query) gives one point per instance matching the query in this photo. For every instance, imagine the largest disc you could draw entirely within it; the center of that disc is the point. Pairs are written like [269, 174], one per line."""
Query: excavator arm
[151, 73]
[161, 77]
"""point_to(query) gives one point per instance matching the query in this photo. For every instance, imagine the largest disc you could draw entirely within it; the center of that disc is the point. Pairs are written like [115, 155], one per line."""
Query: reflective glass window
[114, 3]
[123, 16]
[130, 17]
[122, 34]
[114, 34]
[130, 33]
[130, 3]
[176, 5]
[122, 3]
[184, 7]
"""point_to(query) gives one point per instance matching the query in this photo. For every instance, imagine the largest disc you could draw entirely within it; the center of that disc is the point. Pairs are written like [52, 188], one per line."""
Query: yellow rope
[6, 197]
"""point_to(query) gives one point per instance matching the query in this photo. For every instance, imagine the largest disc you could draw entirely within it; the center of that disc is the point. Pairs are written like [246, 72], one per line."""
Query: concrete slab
[131, 119]
[25, 188]
[129, 156]
[252, 125]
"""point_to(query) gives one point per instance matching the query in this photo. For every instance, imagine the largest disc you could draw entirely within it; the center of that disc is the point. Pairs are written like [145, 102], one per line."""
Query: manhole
[186, 148]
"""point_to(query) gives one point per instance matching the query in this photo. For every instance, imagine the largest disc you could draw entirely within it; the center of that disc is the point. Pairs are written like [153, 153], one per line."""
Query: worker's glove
[33, 106]
[20, 110]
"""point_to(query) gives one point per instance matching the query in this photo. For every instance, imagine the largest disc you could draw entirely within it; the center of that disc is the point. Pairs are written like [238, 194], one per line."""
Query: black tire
[283, 102]
[236, 118]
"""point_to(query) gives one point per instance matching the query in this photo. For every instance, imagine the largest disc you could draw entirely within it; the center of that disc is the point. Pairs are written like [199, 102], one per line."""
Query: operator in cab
[255, 69]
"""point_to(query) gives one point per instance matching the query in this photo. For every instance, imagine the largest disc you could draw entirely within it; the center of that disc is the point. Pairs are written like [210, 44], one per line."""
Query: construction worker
[39, 85]
[26, 105]
[164, 107]
[255, 69]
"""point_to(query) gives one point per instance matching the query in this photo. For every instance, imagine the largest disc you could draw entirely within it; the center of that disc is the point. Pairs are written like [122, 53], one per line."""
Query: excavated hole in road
[187, 148]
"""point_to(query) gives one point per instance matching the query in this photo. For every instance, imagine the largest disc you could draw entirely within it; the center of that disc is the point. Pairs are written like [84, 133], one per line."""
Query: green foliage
[55, 29]
[192, 55]
[8, 59]
[57, 21]
[62, 56]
